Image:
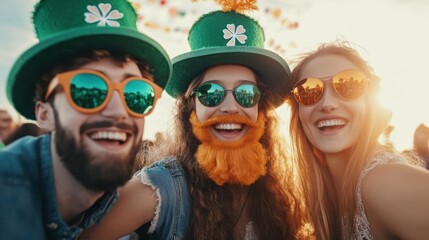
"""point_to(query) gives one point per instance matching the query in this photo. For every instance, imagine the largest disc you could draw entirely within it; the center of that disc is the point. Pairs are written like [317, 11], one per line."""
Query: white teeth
[119, 136]
[330, 123]
[228, 126]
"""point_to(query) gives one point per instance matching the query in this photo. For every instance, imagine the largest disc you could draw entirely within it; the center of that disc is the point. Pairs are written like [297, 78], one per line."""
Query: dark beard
[93, 172]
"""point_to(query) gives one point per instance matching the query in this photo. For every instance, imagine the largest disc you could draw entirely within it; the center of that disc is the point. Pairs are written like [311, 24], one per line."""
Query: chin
[334, 150]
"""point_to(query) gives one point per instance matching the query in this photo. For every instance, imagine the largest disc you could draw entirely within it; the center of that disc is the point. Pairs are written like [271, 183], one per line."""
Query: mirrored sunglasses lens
[88, 90]
[350, 84]
[247, 95]
[139, 96]
[210, 94]
[308, 91]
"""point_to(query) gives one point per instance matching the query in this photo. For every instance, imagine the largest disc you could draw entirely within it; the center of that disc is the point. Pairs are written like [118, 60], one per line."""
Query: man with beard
[90, 81]
[224, 173]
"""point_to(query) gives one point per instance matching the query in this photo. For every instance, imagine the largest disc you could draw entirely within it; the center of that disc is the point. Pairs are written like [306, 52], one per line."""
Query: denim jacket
[173, 213]
[28, 204]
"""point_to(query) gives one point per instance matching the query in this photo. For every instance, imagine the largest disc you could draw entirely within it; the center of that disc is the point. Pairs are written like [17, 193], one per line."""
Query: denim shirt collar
[56, 227]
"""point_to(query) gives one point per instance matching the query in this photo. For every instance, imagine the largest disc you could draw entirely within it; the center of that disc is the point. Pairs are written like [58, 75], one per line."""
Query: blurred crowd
[13, 128]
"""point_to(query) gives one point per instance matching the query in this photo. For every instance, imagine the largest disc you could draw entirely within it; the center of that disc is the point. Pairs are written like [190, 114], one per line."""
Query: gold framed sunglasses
[348, 84]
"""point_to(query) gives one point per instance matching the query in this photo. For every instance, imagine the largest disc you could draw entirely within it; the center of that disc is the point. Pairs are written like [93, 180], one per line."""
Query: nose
[115, 108]
[229, 104]
[329, 101]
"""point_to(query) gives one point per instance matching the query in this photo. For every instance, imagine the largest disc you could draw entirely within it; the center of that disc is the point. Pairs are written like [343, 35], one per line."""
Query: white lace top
[250, 232]
[362, 227]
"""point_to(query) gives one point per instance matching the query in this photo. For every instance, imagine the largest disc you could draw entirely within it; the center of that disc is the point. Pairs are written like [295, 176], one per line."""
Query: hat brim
[45, 55]
[272, 68]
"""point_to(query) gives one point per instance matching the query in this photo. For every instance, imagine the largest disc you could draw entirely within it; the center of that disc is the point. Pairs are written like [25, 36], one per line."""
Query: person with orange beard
[223, 173]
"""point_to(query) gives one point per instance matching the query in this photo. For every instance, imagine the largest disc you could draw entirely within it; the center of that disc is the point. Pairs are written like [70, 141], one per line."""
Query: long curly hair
[332, 210]
[274, 200]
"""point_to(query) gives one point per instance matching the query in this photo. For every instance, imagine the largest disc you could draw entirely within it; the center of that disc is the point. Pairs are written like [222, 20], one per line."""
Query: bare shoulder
[394, 180]
[395, 196]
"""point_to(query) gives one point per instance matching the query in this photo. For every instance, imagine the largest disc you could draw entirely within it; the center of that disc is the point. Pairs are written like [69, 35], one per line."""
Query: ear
[45, 115]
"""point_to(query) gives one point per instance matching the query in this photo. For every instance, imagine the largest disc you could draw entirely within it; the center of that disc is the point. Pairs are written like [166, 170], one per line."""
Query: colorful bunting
[176, 17]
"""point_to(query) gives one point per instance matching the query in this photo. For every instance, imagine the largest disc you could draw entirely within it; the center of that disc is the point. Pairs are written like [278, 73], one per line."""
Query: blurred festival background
[393, 35]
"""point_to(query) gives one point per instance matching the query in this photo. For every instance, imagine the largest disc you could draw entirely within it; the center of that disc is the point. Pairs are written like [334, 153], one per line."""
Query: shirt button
[52, 226]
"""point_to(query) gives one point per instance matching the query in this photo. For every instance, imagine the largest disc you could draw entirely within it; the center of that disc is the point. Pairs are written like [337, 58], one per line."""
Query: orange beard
[241, 162]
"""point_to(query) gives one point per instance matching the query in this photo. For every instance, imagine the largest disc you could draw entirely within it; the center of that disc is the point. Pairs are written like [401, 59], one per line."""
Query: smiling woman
[394, 44]
[335, 132]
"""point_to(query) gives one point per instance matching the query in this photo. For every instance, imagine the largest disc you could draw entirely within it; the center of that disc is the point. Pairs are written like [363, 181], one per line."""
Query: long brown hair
[275, 209]
[332, 210]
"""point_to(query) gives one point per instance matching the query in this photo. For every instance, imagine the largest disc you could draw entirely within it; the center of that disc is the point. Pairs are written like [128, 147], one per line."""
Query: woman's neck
[240, 199]
[337, 164]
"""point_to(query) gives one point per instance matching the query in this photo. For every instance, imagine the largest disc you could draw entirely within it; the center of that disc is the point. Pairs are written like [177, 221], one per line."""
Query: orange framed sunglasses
[348, 84]
[89, 91]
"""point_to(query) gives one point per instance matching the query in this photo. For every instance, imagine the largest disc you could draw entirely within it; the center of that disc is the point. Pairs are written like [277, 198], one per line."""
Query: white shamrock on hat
[231, 33]
[104, 17]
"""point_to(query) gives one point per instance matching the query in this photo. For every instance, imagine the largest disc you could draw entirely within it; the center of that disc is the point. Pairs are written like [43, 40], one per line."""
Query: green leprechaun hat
[67, 27]
[229, 37]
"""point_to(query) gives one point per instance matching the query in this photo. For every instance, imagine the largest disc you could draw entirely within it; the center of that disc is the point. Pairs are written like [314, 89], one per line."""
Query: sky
[392, 35]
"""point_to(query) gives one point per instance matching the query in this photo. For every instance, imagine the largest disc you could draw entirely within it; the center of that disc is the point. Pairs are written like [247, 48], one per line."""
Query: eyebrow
[320, 78]
[238, 81]
[124, 76]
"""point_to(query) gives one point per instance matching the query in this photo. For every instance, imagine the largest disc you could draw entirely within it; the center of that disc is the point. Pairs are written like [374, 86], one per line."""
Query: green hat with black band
[65, 28]
[229, 37]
